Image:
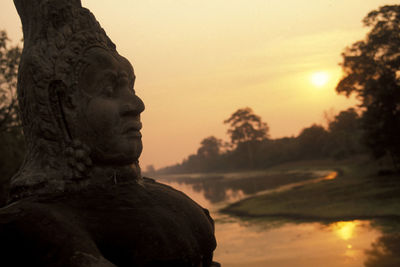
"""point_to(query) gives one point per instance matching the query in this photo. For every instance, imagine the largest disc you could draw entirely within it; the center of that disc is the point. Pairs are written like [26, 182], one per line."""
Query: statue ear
[59, 91]
[61, 103]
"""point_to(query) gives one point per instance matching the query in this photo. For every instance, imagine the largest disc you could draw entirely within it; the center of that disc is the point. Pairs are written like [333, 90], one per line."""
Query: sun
[319, 79]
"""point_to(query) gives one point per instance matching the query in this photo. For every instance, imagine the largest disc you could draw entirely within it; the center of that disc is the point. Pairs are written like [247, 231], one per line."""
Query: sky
[196, 62]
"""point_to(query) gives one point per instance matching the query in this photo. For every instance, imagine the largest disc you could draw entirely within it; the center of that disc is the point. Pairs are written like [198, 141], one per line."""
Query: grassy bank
[357, 193]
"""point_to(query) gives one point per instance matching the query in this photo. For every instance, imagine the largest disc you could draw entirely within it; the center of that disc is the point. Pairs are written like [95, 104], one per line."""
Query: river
[276, 243]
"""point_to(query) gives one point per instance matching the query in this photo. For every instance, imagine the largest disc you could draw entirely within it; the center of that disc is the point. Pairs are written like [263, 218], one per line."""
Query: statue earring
[78, 158]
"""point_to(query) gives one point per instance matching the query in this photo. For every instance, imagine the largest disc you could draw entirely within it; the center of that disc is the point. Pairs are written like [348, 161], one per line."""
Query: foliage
[312, 141]
[345, 121]
[9, 60]
[345, 134]
[246, 130]
[12, 146]
[372, 72]
[210, 147]
[339, 141]
[245, 126]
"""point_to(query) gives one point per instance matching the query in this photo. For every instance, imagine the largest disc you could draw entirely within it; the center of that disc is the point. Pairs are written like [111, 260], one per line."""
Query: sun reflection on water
[266, 243]
[345, 230]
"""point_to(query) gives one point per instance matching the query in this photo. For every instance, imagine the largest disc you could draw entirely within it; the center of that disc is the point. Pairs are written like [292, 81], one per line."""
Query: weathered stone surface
[79, 198]
[126, 224]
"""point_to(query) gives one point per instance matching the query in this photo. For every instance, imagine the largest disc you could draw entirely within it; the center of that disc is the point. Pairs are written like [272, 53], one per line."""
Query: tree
[12, 146]
[245, 130]
[210, 147]
[312, 142]
[345, 134]
[9, 61]
[372, 72]
[245, 126]
[345, 121]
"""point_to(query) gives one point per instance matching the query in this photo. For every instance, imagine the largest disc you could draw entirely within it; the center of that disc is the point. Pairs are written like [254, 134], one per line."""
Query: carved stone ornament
[79, 198]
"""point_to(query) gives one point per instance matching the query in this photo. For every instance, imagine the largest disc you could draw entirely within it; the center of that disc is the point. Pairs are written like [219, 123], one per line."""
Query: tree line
[251, 148]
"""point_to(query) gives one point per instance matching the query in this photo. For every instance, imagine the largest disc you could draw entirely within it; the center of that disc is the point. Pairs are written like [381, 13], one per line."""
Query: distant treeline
[341, 139]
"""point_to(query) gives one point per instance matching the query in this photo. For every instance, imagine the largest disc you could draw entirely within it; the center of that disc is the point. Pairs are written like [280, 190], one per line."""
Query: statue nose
[132, 106]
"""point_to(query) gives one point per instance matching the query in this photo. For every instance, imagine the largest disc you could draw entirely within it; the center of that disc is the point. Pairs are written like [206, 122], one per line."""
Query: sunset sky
[197, 62]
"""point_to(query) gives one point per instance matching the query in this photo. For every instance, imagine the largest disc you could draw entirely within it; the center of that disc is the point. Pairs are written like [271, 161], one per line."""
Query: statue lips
[132, 129]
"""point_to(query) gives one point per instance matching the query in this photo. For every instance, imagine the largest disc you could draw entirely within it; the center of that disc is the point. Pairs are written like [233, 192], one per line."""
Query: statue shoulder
[179, 195]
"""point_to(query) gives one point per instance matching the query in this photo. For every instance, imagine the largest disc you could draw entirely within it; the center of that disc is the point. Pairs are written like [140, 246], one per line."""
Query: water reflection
[345, 230]
[385, 250]
[261, 243]
[231, 187]
[289, 244]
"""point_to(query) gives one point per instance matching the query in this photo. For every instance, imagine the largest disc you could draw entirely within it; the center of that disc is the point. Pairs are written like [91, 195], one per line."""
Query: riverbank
[358, 192]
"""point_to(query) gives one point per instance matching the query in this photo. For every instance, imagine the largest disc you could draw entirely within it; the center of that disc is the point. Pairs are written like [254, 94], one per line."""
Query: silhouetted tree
[372, 71]
[345, 134]
[245, 129]
[9, 60]
[12, 146]
[210, 147]
[312, 142]
[245, 126]
[345, 121]
[276, 151]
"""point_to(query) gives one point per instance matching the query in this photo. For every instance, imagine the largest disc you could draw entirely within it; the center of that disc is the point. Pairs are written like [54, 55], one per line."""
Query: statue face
[108, 117]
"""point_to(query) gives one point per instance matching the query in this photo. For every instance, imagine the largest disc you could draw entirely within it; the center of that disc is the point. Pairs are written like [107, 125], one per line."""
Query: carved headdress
[56, 35]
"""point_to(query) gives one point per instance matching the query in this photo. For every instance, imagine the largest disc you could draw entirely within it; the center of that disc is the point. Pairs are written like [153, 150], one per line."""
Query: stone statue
[79, 199]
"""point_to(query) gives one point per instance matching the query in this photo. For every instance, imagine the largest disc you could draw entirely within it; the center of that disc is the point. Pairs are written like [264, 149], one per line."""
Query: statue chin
[121, 155]
[117, 159]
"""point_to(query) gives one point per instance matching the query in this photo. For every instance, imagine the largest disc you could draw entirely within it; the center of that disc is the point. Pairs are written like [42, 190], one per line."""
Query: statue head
[106, 114]
[79, 110]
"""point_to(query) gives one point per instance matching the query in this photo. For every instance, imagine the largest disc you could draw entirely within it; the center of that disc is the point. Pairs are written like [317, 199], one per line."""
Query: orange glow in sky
[197, 62]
